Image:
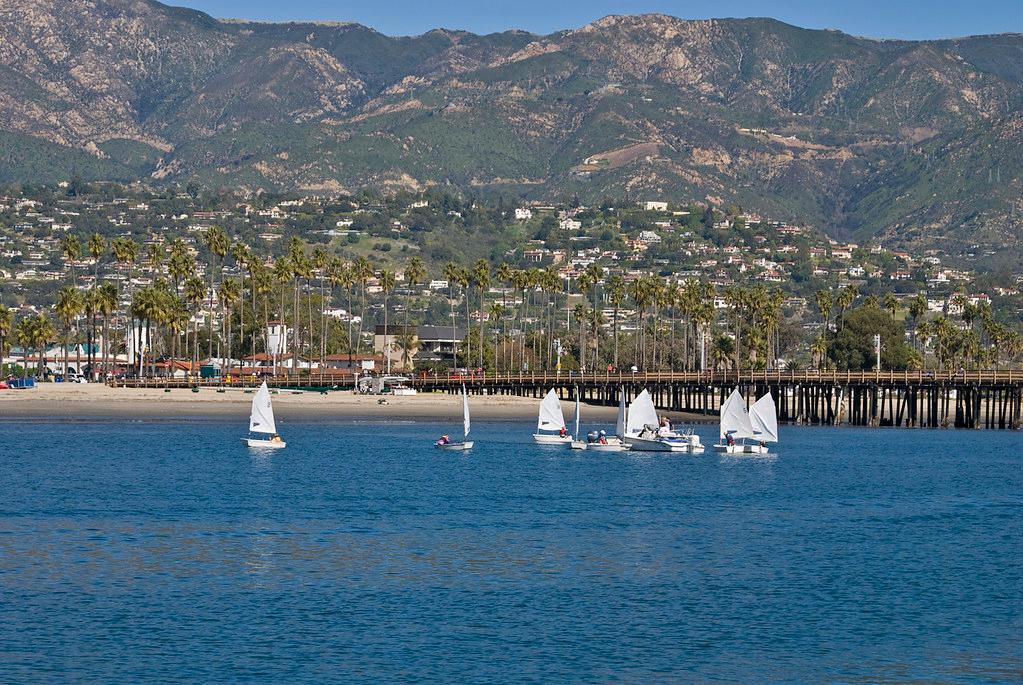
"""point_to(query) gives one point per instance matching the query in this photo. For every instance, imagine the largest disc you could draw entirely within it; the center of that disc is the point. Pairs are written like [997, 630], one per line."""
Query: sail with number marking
[764, 417]
[735, 421]
[261, 419]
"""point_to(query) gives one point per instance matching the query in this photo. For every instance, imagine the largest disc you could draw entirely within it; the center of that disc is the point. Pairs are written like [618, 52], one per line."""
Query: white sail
[764, 417]
[734, 419]
[551, 418]
[261, 420]
[620, 424]
[465, 411]
[577, 413]
[641, 413]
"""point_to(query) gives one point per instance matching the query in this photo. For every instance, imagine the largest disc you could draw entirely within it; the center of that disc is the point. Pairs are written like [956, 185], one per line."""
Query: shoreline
[59, 401]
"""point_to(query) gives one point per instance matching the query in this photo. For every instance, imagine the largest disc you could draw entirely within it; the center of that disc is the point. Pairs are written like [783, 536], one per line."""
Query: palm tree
[282, 276]
[452, 273]
[825, 303]
[125, 252]
[550, 284]
[71, 249]
[846, 296]
[521, 280]
[230, 293]
[616, 294]
[70, 304]
[504, 275]
[6, 325]
[387, 283]
[722, 351]
[105, 304]
[218, 244]
[320, 262]
[596, 275]
[343, 274]
[242, 255]
[96, 247]
[407, 344]
[34, 334]
[891, 304]
[639, 291]
[262, 287]
[496, 314]
[481, 278]
[363, 271]
[195, 293]
[415, 273]
[819, 350]
[463, 278]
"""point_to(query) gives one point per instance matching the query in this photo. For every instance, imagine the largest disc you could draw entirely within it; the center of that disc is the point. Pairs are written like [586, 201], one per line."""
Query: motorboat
[644, 432]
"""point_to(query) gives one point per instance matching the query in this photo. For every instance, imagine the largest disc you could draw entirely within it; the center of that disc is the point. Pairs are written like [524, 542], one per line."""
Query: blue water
[165, 551]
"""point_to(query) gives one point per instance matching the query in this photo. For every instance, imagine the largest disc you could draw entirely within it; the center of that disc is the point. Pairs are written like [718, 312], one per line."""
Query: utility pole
[877, 351]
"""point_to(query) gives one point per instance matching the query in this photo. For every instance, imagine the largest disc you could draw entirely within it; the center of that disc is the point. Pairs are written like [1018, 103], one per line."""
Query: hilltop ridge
[915, 142]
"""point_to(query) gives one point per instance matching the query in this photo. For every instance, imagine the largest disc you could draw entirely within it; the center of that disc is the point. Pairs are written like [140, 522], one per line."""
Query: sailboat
[616, 442]
[577, 444]
[643, 432]
[465, 443]
[764, 417]
[735, 424]
[551, 419]
[261, 420]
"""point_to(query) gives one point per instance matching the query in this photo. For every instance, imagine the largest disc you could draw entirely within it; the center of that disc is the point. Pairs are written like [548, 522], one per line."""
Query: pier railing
[315, 379]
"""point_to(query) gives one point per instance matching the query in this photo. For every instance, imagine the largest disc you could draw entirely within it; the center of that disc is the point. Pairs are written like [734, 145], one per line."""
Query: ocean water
[166, 551]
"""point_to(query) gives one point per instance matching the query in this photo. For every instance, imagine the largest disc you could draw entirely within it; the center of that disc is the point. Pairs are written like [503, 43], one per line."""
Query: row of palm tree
[655, 322]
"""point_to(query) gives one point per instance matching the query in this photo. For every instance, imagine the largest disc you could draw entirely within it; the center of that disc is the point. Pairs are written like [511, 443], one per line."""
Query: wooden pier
[971, 399]
[978, 399]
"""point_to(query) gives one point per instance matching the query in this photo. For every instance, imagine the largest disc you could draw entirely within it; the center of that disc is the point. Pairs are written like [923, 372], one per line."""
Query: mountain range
[917, 143]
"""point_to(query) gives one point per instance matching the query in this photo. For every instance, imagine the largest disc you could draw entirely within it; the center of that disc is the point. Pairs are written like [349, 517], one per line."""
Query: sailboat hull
[609, 447]
[551, 439]
[638, 444]
[457, 445]
[579, 445]
[256, 442]
[740, 449]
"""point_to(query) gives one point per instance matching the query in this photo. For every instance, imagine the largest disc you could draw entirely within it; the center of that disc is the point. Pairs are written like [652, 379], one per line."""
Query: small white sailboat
[551, 419]
[261, 420]
[577, 444]
[764, 417]
[616, 442]
[643, 432]
[736, 425]
[465, 443]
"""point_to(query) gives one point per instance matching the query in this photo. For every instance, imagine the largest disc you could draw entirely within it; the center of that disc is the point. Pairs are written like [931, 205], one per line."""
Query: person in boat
[276, 439]
[562, 433]
[763, 445]
[444, 440]
[729, 440]
[603, 438]
[665, 428]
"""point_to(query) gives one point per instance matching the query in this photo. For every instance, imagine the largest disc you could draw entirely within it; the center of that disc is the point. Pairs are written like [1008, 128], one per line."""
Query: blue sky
[913, 19]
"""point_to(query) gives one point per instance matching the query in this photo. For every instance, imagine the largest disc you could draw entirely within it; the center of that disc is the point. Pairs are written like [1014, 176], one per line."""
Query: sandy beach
[57, 400]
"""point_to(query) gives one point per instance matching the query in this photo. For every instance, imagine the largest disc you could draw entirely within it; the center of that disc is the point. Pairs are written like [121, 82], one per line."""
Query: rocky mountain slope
[917, 141]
